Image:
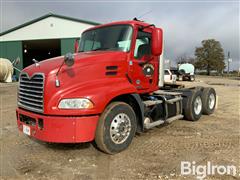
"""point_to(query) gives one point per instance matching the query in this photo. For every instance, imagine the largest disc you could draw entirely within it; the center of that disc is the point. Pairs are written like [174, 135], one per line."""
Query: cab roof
[129, 22]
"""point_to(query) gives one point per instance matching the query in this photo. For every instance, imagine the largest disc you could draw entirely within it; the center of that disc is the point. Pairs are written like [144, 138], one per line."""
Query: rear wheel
[181, 74]
[192, 78]
[209, 100]
[116, 128]
[194, 106]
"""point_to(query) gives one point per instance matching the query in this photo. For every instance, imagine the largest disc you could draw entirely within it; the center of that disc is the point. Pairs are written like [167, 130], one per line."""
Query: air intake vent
[111, 70]
[30, 93]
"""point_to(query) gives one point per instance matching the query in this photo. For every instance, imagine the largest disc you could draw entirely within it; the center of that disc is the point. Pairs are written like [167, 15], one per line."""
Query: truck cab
[107, 91]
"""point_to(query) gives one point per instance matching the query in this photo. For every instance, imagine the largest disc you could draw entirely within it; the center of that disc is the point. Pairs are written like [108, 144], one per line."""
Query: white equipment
[6, 70]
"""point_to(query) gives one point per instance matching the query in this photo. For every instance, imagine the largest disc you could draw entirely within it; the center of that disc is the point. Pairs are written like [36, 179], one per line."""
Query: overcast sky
[185, 23]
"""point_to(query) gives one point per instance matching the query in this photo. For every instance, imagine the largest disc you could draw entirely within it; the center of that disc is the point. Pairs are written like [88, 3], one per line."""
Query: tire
[109, 122]
[180, 78]
[192, 78]
[194, 106]
[209, 100]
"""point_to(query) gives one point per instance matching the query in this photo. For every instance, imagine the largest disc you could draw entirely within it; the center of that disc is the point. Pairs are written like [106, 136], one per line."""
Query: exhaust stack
[161, 70]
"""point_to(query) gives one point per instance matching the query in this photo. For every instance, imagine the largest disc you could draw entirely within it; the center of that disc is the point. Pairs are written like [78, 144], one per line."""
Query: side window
[143, 45]
[123, 44]
[166, 72]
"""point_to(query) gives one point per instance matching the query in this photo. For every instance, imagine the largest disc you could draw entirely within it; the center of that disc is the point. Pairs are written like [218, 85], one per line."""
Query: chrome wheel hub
[198, 105]
[120, 128]
[211, 101]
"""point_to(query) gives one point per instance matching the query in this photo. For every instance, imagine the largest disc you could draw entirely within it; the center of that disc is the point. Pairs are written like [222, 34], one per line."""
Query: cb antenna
[144, 14]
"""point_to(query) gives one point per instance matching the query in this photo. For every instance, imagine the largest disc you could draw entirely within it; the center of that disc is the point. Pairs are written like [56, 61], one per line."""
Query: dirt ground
[156, 154]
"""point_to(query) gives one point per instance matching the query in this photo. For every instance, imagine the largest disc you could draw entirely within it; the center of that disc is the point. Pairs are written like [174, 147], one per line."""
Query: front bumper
[59, 129]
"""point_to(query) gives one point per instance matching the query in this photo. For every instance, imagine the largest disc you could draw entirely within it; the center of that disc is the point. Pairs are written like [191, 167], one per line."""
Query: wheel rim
[197, 105]
[211, 101]
[120, 128]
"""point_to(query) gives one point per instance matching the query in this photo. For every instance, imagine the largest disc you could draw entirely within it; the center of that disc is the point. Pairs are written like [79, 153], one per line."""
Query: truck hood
[95, 75]
[51, 66]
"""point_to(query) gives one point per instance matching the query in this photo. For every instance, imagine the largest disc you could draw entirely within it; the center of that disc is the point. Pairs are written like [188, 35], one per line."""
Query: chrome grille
[30, 92]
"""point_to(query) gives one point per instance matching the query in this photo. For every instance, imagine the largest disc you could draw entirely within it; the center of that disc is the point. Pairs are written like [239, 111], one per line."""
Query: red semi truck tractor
[106, 92]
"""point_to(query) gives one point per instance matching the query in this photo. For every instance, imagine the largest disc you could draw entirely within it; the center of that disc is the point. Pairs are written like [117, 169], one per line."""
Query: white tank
[188, 68]
[6, 70]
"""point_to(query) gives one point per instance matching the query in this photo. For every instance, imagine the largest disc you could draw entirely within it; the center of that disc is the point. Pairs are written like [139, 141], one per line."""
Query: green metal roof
[46, 16]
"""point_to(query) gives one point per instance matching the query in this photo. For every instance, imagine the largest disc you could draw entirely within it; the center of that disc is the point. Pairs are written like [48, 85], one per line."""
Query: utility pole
[228, 60]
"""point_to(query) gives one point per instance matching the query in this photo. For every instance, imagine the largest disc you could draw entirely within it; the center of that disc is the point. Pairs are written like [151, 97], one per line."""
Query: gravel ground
[156, 154]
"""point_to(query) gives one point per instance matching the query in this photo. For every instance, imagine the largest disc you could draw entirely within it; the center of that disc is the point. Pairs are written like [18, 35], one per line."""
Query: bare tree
[185, 59]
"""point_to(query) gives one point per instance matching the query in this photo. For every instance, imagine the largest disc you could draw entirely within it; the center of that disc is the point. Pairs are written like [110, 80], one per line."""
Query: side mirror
[69, 59]
[157, 41]
[16, 61]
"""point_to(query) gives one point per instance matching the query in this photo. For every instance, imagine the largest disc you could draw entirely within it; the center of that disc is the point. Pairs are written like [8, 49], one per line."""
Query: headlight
[75, 103]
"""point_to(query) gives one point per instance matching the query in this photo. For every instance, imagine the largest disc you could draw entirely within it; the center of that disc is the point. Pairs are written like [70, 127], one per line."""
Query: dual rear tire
[194, 106]
[201, 101]
[209, 100]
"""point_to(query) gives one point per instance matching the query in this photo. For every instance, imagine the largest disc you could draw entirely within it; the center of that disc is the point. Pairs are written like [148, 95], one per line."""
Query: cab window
[109, 38]
[166, 72]
[143, 45]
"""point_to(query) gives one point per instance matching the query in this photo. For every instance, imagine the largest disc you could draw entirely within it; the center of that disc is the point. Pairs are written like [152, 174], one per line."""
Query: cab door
[142, 66]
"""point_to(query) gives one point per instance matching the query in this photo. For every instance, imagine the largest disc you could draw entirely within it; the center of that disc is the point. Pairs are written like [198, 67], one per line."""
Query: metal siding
[50, 15]
[67, 45]
[11, 50]
[49, 28]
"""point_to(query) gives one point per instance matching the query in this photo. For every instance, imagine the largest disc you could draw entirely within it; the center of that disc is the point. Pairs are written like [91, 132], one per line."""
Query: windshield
[115, 38]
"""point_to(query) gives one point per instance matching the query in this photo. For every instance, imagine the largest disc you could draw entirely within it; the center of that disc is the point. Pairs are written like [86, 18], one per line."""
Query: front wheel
[116, 128]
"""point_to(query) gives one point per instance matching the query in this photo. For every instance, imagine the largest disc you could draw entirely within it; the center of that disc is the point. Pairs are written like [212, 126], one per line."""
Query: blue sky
[185, 23]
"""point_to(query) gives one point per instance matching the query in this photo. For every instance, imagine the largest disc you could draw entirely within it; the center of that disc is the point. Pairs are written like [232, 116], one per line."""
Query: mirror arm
[17, 69]
[144, 27]
[141, 63]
